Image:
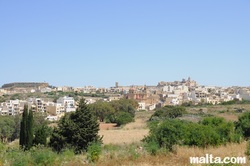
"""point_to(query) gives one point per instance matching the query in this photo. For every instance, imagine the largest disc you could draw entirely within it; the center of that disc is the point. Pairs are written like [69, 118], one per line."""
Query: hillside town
[148, 97]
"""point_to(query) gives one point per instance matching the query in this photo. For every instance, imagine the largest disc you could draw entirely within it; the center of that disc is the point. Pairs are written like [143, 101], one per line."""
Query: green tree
[26, 131]
[243, 124]
[102, 110]
[7, 128]
[16, 133]
[41, 136]
[76, 130]
[123, 118]
[30, 130]
[168, 112]
[166, 134]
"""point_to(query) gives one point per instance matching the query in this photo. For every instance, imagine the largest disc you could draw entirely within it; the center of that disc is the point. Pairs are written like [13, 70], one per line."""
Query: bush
[243, 124]
[152, 147]
[124, 118]
[43, 156]
[211, 131]
[168, 112]
[94, 151]
[18, 157]
[166, 134]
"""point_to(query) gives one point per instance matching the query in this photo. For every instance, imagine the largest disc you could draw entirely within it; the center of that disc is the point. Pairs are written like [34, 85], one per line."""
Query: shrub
[166, 134]
[243, 124]
[94, 151]
[124, 118]
[211, 131]
[43, 156]
[152, 147]
[168, 112]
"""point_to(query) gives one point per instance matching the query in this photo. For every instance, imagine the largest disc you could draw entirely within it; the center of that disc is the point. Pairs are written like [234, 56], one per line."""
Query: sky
[133, 42]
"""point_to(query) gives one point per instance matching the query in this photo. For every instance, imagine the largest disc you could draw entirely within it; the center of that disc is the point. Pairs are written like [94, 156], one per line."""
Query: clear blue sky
[78, 43]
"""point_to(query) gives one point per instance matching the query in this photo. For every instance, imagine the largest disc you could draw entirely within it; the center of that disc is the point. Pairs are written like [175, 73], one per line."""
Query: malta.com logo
[209, 159]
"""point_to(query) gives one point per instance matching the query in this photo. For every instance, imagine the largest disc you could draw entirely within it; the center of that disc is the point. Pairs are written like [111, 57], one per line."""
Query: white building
[11, 107]
[68, 103]
[142, 106]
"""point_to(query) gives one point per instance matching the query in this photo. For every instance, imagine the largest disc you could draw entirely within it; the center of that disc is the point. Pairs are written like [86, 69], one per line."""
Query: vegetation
[211, 131]
[119, 111]
[243, 124]
[76, 130]
[42, 133]
[7, 129]
[235, 101]
[94, 151]
[26, 131]
[168, 112]
[167, 133]
[102, 110]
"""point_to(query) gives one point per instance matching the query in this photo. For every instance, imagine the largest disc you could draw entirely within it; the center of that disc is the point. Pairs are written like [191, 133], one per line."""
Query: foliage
[26, 131]
[243, 124]
[123, 118]
[76, 130]
[2, 99]
[119, 111]
[102, 110]
[235, 101]
[41, 129]
[94, 151]
[16, 132]
[211, 131]
[41, 135]
[166, 134]
[168, 112]
[125, 105]
[7, 128]
[43, 156]
[152, 147]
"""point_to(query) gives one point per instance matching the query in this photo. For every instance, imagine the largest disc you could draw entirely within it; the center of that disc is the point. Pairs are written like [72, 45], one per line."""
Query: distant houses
[148, 97]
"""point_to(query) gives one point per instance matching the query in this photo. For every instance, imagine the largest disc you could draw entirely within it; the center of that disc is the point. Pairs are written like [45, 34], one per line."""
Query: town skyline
[119, 84]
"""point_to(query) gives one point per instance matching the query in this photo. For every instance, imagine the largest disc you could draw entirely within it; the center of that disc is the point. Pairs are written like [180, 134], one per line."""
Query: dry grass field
[129, 136]
[180, 158]
[130, 133]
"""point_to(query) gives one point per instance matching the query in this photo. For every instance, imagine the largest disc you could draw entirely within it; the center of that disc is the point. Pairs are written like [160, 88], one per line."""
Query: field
[123, 146]
[131, 133]
[127, 148]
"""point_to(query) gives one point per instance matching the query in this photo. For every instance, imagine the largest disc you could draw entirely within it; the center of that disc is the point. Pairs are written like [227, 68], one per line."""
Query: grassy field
[125, 146]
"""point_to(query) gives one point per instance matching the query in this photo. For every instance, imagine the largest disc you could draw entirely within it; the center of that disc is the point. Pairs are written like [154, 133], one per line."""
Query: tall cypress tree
[23, 131]
[26, 131]
[30, 130]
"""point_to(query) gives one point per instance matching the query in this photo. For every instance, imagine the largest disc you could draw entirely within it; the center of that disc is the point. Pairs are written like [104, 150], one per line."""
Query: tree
[41, 136]
[7, 128]
[30, 130]
[76, 130]
[168, 112]
[123, 118]
[243, 124]
[102, 110]
[26, 131]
